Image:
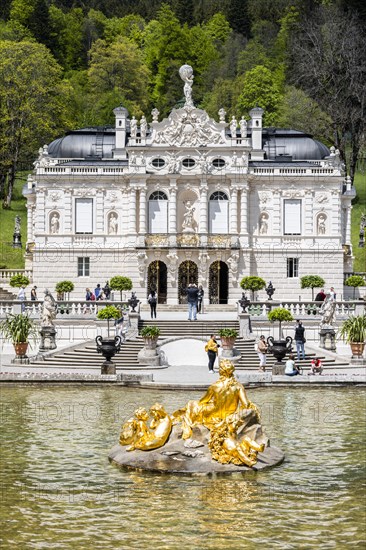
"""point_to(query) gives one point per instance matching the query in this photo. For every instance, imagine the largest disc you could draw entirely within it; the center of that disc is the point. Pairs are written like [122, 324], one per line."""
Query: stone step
[6, 294]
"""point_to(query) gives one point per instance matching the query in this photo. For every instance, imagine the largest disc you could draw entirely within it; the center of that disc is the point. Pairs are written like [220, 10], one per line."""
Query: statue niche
[54, 223]
[263, 224]
[112, 223]
[321, 224]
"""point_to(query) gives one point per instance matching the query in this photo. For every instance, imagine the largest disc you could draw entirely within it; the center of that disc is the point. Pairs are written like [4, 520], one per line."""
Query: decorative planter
[148, 355]
[227, 343]
[108, 347]
[279, 348]
[357, 348]
[21, 349]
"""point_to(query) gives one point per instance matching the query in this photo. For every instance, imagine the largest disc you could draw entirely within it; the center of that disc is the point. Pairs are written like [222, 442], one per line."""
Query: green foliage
[260, 87]
[120, 283]
[109, 312]
[252, 283]
[13, 258]
[228, 333]
[18, 328]
[312, 281]
[150, 331]
[254, 54]
[19, 280]
[64, 286]
[279, 314]
[355, 281]
[353, 329]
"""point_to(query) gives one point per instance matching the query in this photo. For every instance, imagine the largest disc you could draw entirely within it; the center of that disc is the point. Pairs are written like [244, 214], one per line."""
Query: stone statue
[17, 224]
[143, 127]
[263, 224]
[243, 127]
[160, 427]
[186, 74]
[133, 128]
[327, 311]
[234, 159]
[49, 310]
[173, 259]
[113, 224]
[155, 115]
[321, 224]
[233, 262]
[188, 220]
[233, 126]
[55, 224]
[222, 114]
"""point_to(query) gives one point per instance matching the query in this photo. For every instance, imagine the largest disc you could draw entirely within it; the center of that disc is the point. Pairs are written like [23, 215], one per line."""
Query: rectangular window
[83, 267]
[84, 216]
[219, 219]
[292, 217]
[292, 267]
[158, 216]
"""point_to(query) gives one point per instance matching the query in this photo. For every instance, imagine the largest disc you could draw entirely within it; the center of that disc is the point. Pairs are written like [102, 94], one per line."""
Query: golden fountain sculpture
[224, 410]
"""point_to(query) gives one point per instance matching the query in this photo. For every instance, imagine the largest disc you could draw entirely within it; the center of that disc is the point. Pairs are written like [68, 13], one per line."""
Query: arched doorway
[157, 280]
[219, 283]
[187, 274]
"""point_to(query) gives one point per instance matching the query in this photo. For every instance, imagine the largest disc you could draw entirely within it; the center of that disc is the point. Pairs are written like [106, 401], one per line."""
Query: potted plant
[19, 329]
[353, 332]
[108, 347]
[312, 281]
[120, 283]
[62, 288]
[279, 347]
[150, 334]
[228, 337]
[252, 283]
[355, 281]
[148, 354]
[108, 313]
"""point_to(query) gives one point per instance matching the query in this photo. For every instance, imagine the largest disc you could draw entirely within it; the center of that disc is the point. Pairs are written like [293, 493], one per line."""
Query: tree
[312, 281]
[261, 88]
[327, 60]
[33, 102]
[120, 283]
[16, 281]
[355, 281]
[252, 283]
[109, 312]
[279, 314]
[64, 287]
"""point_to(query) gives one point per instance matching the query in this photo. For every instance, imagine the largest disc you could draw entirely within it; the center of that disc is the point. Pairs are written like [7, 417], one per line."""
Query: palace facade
[188, 199]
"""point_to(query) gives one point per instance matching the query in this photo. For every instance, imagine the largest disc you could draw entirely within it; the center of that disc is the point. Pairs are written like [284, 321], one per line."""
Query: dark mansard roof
[99, 142]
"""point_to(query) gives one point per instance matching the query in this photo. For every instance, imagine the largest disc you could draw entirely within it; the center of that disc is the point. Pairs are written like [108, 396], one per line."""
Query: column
[244, 211]
[142, 223]
[348, 224]
[67, 211]
[308, 226]
[203, 210]
[172, 227]
[99, 211]
[30, 210]
[40, 221]
[234, 211]
[132, 211]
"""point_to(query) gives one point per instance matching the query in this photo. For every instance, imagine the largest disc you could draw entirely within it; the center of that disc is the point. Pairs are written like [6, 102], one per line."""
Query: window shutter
[84, 216]
[292, 217]
[158, 216]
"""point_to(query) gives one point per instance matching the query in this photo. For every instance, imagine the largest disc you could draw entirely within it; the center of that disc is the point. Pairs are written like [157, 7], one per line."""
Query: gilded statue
[138, 435]
[135, 428]
[226, 448]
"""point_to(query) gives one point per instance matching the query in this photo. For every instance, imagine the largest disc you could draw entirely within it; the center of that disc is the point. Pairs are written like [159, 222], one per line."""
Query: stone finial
[186, 74]
[222, 114]
[155, 115]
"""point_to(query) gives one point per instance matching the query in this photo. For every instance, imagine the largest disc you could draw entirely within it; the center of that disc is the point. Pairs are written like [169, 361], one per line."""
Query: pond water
[59, 490]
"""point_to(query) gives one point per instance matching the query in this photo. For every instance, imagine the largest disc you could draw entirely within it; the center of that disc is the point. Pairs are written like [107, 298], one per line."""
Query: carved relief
[203, 260]
[188, 240]
[233, 263]
[264, 197]
[321, 198]
[173, 261]
[54, 223]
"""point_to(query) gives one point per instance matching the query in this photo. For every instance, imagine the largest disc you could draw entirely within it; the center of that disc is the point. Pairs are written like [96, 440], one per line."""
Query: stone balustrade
[300, 309]
[65, 309]
[7, 274]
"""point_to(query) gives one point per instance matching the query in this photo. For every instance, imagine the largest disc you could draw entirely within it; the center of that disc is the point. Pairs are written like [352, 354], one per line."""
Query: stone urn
[21, 349]
[357, 349]
[227, 346]
[279, 348]
[108, 347]
[148, 355]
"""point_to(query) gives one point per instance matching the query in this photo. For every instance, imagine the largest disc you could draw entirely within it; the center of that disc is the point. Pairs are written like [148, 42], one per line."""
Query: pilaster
[142, 221]
[234, 211]
[172, 227]
[203, 225]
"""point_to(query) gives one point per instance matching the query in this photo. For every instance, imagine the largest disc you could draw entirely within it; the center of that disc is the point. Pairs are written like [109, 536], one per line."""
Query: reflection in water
[60, 492]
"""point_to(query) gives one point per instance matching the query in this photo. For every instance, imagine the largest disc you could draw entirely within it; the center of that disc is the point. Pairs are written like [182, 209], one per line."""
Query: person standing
[290, 368]
[300, 340]
[21, 296]
[200, 299]
[107, 291]
[152, 299]
[332, 294]
[320, 297]
[192, 299]
[262, 349]
[34, 294]
[97, 292]
[212, 348]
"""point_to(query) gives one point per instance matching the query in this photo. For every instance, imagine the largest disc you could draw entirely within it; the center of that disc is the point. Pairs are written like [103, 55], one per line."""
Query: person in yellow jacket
[211, 348]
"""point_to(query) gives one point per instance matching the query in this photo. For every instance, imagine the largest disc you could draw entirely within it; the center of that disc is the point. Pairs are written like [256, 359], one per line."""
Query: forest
[65, 64]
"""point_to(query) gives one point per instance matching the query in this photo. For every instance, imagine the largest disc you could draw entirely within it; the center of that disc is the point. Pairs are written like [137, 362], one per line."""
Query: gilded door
[157, 280]
[187, 274]
[218, 283]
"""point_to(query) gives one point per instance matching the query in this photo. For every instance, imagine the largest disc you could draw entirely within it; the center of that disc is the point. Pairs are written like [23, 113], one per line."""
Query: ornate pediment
[188, 127]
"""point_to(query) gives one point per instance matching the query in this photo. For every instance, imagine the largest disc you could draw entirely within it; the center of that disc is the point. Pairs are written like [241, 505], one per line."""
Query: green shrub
[312, 281]
[19, 280]
[228, 333]
[353, 329]
[150, 331]
[64, 286]
[252, 283]
[108, 313]
[280, 314]
[19, 328]
[355, 281]
[120, 283]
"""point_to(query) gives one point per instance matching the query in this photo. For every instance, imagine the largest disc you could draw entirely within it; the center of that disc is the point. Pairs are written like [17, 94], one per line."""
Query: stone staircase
[6, 295]
[85, 356]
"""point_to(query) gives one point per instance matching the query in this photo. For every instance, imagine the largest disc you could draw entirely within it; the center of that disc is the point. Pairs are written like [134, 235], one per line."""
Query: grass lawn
[359, 207]
[13, 257]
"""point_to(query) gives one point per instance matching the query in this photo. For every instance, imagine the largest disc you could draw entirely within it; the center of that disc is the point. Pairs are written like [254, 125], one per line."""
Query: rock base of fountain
[190, 457]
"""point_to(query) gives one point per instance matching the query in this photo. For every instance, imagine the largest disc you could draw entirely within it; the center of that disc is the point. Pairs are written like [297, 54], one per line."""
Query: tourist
[291, 369]
[320, 297]
[316, 366]
[201, 293]
[152, 300]
[34, 294]
[192, 298]
[21, 296]
[98, 292]
[107, 291]
[212, 349]
[262, 349]
[119, 326]
[300, 340]
[332, 294]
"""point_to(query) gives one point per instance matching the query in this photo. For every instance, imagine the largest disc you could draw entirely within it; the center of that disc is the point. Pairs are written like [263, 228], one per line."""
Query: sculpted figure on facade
[155, 115]
[186, 74]
[173, 262]
[321, 228]
[173, 164]
[143, 127]
[263, 224]
[243, 127]
[233, 126]
[49, 309]
[328, 313]
[222, 114]
[55, 223]
[142, 260]
[233, 263]
[203, 260]
[113, 224]
[188, 219]
[133, 128]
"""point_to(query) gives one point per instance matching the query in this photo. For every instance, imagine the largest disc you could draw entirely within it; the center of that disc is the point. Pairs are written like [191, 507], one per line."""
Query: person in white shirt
[291, 369]
[21, 296]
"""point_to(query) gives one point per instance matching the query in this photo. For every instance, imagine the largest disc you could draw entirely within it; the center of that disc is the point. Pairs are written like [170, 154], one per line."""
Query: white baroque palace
[188, 199]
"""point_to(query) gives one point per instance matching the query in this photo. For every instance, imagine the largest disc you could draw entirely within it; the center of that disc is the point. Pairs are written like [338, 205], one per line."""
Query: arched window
[219, 208]
[158, 212]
